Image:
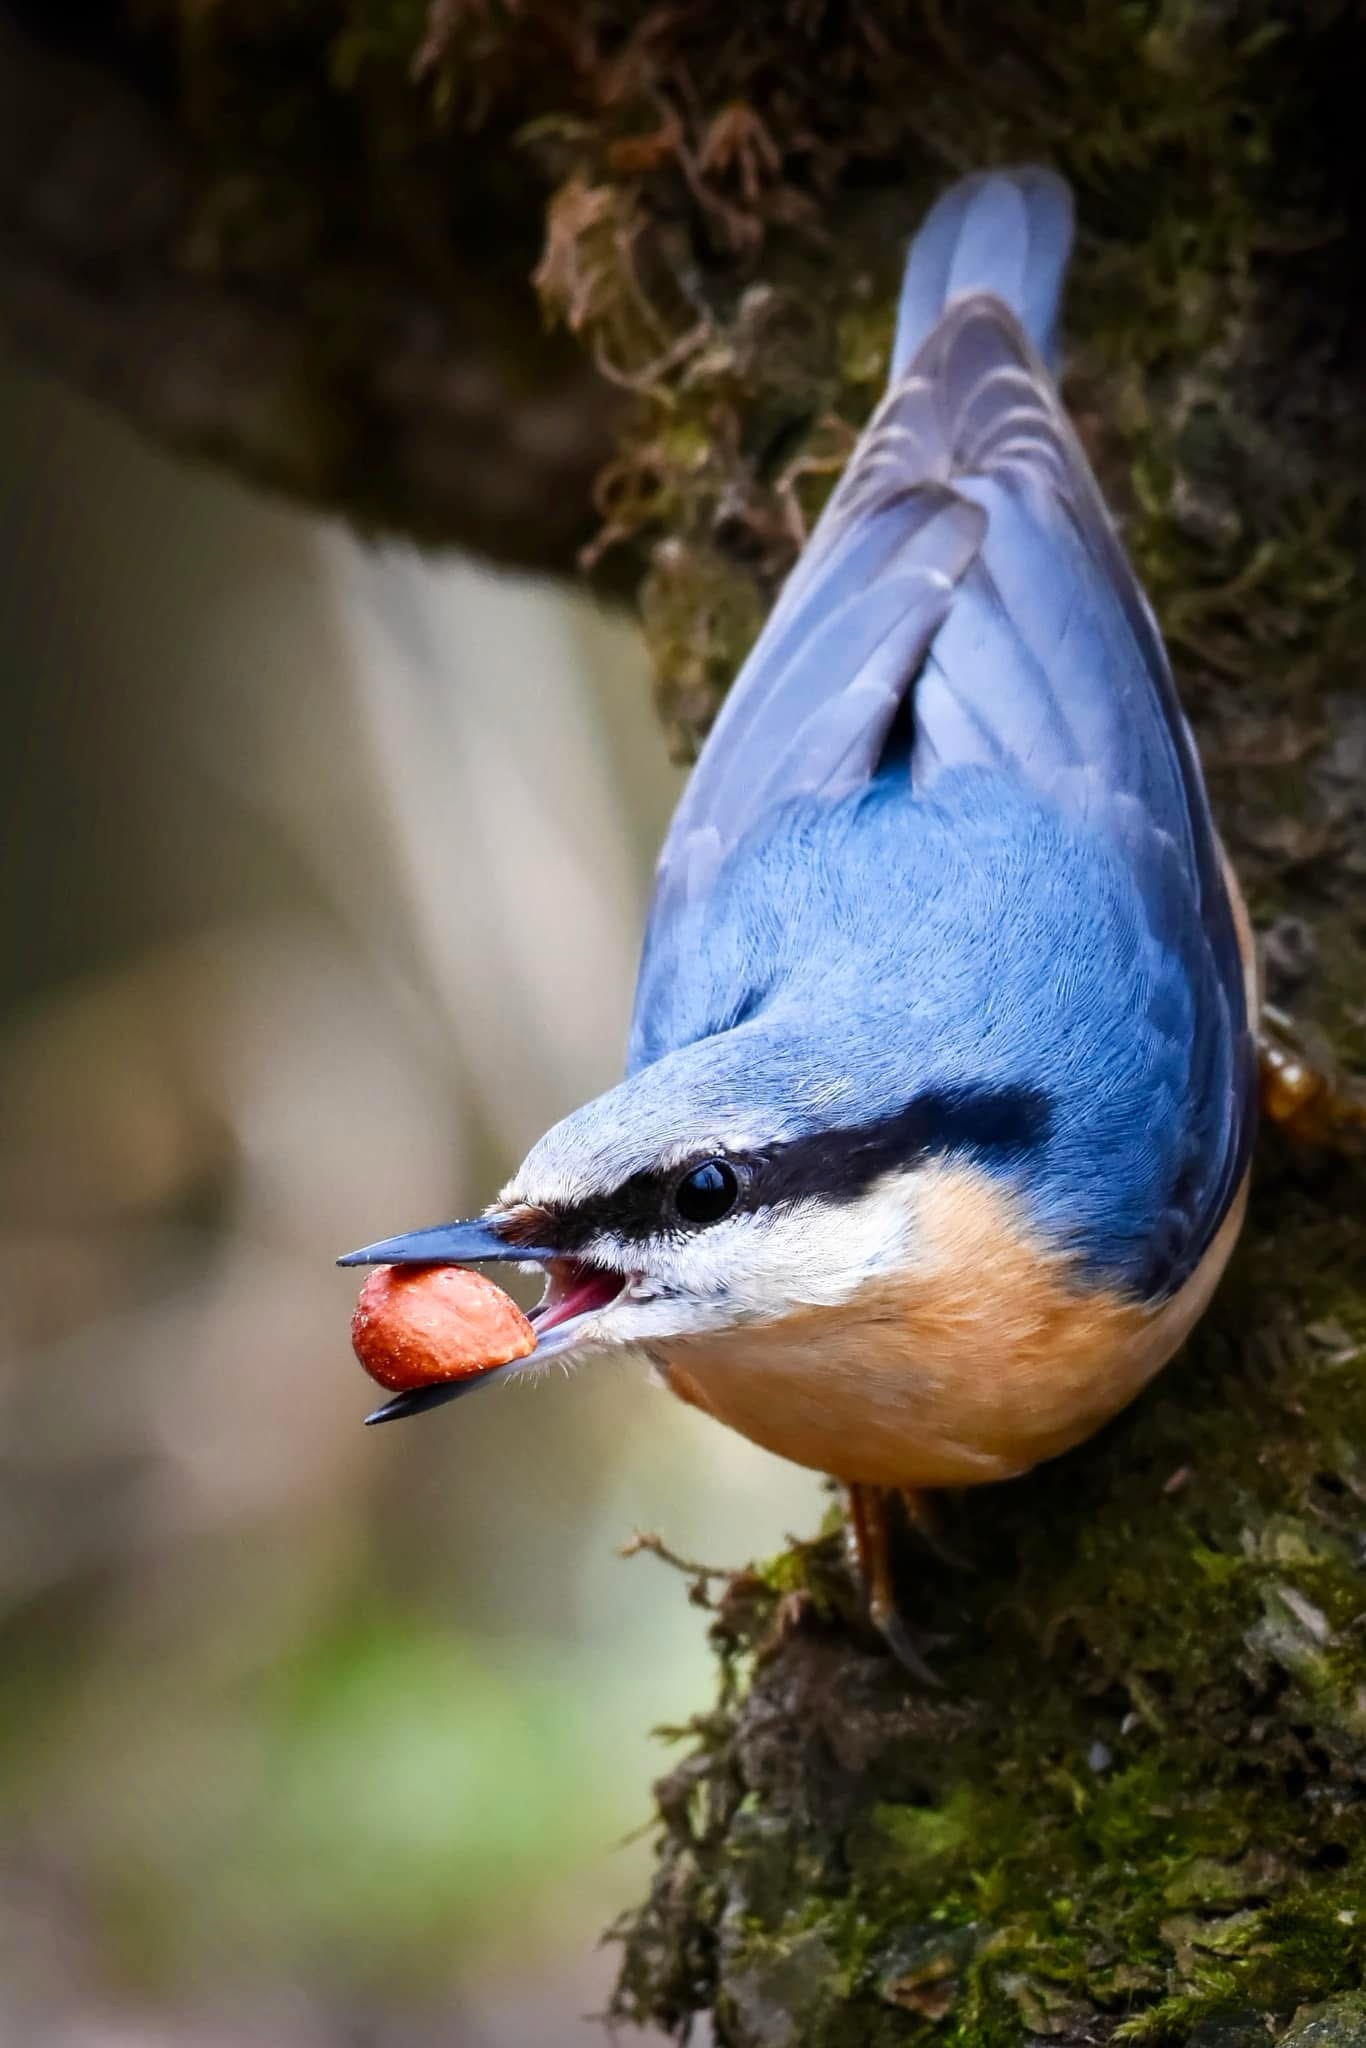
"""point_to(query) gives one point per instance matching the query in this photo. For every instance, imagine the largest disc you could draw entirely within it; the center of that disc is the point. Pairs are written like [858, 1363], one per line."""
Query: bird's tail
[1005, 232]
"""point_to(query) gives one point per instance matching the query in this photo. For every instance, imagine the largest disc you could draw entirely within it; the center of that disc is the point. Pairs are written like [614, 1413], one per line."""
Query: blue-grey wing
[809, 713]
[812, 707]
[1050, 667]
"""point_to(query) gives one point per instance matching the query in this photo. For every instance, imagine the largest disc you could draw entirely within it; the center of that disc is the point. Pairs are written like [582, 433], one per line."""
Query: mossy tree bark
[1138, 1808]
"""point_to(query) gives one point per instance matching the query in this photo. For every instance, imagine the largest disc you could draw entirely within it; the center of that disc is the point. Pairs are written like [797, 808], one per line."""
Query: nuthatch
[934, 1137]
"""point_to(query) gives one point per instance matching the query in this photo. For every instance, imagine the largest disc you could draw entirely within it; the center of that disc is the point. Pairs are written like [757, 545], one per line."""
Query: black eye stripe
[996, 1124]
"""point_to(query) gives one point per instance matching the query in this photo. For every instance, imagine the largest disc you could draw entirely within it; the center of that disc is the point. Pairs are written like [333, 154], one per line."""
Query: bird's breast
[986, 1356]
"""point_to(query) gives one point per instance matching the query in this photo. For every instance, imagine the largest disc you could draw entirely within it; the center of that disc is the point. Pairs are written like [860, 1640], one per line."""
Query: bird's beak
[576, 1291]
[419, 1399]
[447, 1244]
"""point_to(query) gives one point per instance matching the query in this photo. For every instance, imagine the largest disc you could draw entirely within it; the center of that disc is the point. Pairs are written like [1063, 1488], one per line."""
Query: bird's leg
[1304, 1091]
[876, 1516]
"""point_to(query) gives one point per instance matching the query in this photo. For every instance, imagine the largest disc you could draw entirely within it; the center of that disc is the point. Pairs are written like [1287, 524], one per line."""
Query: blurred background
[323, 872]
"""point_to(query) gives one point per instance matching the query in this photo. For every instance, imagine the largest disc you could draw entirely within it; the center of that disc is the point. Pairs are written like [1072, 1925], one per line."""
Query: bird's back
[951, 815]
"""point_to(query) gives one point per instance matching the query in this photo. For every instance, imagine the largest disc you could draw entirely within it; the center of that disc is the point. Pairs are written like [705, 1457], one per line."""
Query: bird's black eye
[708, 1193]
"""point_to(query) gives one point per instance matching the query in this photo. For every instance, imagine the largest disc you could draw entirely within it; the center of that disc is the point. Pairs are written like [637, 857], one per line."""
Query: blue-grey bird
[934, 1137]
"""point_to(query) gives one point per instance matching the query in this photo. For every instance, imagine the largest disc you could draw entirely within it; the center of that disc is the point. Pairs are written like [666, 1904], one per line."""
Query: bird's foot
[878, 1517]
[1303, 1089]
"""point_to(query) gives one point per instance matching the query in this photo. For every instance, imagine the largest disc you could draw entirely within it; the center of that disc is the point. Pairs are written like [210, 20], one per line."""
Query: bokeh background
[323, 870]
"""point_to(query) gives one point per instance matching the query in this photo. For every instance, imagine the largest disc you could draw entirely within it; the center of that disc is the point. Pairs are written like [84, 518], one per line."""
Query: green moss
[916, 1839]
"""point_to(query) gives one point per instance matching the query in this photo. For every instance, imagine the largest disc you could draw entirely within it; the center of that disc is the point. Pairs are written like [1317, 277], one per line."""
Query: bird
[933, 1141]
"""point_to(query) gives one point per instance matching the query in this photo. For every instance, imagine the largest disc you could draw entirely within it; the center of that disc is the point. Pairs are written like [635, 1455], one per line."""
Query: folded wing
[967, 557]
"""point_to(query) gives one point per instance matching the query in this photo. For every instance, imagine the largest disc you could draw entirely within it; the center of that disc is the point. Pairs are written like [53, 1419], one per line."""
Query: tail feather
[1004, 232]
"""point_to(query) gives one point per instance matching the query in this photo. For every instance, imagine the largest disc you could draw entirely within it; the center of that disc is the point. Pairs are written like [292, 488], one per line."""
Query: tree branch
[345, 375]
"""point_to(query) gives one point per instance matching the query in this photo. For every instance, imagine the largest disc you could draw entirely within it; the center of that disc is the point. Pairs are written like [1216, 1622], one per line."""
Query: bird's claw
[875, 1514]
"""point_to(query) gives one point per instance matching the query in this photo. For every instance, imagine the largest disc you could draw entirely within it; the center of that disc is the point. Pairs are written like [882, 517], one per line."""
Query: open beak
[575, 1291]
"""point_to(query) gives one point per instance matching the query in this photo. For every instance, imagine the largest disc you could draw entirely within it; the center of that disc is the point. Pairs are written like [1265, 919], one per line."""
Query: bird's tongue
[576, 1290]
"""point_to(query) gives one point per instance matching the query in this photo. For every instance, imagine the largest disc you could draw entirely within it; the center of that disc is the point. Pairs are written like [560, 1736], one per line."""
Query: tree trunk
[1138, 1807]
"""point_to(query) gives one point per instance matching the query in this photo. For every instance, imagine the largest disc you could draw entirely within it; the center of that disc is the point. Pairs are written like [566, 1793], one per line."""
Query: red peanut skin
[415, 1326]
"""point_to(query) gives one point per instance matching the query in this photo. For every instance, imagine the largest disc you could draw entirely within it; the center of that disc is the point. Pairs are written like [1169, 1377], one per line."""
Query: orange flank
[985, 1356]
[415, 1326]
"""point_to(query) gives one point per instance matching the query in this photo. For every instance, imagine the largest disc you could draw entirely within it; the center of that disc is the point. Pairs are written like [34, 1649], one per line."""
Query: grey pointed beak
[446, 1244]
[419, 1399]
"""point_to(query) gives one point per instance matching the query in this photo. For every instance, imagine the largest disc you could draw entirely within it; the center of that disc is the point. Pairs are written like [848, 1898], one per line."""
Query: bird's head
[730, 1183]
